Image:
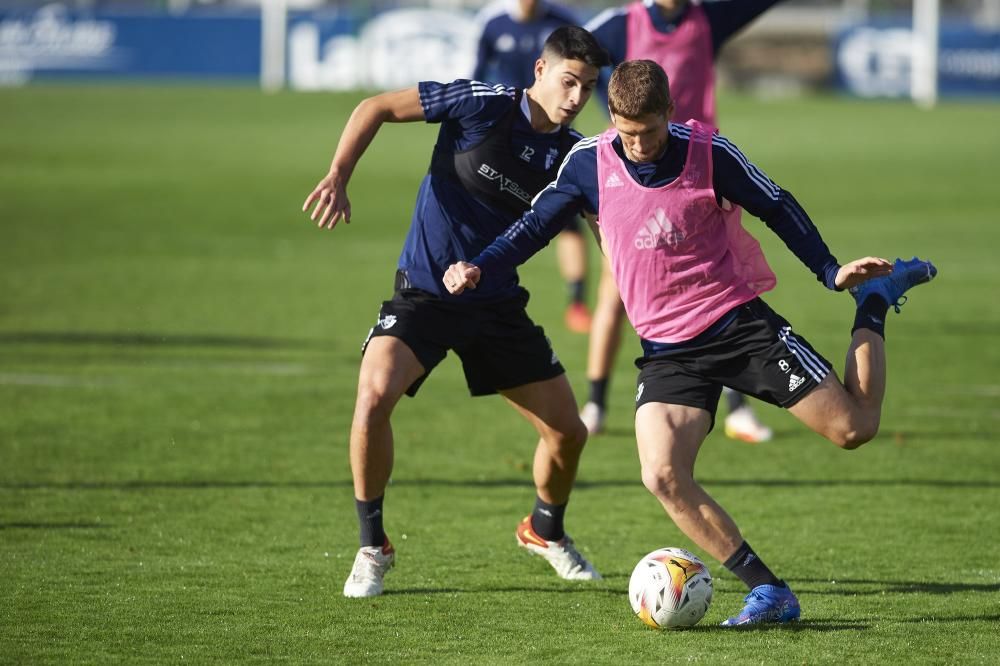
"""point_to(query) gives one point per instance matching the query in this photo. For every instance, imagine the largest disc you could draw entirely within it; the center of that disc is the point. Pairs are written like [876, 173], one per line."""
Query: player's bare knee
[860, 436]
[854, 433]
[372, 404]
[665, 482]
[571, 437]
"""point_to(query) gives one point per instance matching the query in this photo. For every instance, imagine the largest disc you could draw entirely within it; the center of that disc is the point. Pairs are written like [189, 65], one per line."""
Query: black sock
[871, 315]
[576, 291]
[547, 520]
[749, 568]
[370, 521]
[735, 400]
[599, 391]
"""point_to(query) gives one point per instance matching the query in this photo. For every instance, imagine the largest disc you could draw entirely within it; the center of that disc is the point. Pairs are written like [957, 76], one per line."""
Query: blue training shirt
[734, 177]
[508, 48]
[448, 222]
[725, 19]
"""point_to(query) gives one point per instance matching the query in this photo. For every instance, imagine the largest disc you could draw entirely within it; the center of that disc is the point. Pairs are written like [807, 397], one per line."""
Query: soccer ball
[670, 588]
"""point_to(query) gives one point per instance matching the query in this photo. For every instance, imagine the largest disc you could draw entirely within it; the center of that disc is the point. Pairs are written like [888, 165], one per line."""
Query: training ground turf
[178, 356]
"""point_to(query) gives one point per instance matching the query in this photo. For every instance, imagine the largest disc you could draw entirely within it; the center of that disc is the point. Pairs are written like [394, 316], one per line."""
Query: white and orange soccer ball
[670, 588]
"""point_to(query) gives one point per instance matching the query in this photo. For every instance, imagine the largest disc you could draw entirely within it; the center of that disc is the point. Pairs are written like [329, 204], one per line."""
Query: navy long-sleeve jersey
[508, 48]
[725, 19]
[734, 178]
[448, 221]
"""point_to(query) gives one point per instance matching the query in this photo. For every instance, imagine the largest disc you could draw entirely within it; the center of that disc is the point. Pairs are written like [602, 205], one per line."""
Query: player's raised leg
[848, 413]
[388, 368]
[551, 408]
[669, 438]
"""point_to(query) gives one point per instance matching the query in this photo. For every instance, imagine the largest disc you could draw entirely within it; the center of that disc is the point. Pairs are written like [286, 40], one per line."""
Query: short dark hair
[571, 42]
[638, 88]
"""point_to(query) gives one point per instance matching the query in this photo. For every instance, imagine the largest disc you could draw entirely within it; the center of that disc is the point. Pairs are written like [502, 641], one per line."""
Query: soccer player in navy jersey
[498, 146]
[512, 34]
[684, 38]
[690, 278]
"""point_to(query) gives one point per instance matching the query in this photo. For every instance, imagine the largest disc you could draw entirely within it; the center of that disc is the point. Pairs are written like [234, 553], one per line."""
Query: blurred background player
[513, 32]
[684, 38]
[496, 148]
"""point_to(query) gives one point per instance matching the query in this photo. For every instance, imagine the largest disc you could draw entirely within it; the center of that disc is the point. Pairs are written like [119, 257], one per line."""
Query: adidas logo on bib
[614, 180]
[794, 381]
[658, 231]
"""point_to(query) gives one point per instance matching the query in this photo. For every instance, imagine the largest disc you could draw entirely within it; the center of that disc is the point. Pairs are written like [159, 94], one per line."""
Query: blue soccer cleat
[905, 275]
[767, 604]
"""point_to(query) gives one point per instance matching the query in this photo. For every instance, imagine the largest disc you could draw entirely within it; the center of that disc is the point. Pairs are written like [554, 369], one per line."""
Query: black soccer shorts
[499, 345]
[756, 354]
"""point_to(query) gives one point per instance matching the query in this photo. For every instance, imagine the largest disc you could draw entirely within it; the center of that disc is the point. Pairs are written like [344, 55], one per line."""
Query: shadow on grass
[861, 586]
[155, 340]
[172, 485]
[53, 526]
[947, 620]
[840, 624]
[583, 588]
[208, 484]
[859, 483]
[808, 624]
[820, 625]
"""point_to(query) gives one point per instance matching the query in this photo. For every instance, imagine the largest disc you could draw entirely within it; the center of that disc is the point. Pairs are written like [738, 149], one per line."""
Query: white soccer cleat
[370, 566]
[742, 424]
[562, 554]
[593, 417]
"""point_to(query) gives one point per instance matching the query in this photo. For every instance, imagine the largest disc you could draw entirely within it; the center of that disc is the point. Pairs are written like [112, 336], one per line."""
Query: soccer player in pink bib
[666, 197]
[685, 39]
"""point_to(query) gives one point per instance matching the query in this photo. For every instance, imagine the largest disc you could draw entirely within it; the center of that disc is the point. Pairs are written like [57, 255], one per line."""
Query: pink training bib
[680, 261]
[684, 54]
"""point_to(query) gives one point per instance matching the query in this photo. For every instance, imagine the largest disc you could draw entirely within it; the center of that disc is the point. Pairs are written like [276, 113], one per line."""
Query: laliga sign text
[395, 49]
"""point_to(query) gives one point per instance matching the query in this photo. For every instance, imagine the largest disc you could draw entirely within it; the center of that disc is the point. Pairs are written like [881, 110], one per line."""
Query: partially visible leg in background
[741, 421]
[571, 253]
[605, 339]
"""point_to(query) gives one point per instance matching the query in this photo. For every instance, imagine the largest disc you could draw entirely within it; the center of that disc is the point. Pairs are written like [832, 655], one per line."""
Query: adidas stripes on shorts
[757, 354]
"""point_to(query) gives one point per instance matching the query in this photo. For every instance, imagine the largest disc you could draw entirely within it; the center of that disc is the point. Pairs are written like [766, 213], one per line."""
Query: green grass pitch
[178, 358]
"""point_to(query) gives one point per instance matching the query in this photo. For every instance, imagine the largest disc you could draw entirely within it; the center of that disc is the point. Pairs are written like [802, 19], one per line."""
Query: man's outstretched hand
[331, 202]
[861, 270]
